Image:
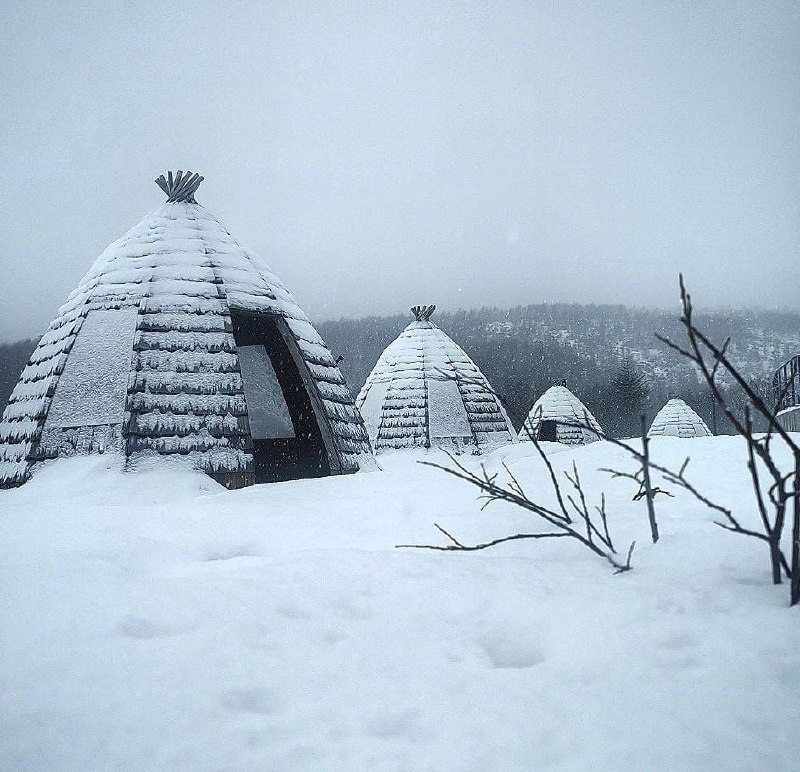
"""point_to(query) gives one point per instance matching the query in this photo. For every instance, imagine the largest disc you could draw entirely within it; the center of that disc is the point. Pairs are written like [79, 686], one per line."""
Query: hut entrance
[287, 438]
[547, 431]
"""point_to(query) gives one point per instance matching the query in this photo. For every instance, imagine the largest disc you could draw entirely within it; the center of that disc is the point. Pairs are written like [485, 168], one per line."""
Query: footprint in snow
[507, 653]
[677, 649]
[256, 700]
[138, 627]
[222, 553]
[292, 611]
[678, 639]
[331, 636]
[398, 723]
[353, 611]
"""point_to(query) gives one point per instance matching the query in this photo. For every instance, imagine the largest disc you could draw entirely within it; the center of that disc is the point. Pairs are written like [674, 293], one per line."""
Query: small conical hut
[425, 391]
[180, 341]
[559, 416]
[677, 419]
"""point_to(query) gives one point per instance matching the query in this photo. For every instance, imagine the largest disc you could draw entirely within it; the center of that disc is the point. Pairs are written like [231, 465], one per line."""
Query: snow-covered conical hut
[181, 341]
[559, 416]
[677, 419]
[425, 391]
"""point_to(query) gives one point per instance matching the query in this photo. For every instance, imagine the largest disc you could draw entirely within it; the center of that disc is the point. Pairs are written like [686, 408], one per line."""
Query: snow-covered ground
[156, 621]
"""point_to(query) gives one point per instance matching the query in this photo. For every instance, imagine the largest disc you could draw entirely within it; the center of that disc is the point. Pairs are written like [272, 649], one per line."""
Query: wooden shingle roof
[424, 390]
[677, 419]
[574, 422]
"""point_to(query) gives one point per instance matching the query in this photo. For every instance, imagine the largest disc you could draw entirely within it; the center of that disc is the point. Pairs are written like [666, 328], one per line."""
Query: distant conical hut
[425, 391]
[677, 419]
[180, 341]
[559, 416]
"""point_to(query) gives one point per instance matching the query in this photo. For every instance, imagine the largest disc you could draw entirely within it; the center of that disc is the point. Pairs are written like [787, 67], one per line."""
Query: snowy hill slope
[156, 621]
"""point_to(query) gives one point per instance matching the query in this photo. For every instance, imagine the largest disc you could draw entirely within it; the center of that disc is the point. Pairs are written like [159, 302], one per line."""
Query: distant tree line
[608, 354]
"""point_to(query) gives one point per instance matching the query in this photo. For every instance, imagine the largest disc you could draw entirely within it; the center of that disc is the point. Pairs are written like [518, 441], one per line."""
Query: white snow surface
[153, 620]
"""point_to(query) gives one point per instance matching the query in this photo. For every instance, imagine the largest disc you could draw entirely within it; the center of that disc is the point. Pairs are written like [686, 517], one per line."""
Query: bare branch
[449, 536]
[492, 491]
[626, 566]
[551, 472]
[457, 546]
[601, 510]
[709, 359]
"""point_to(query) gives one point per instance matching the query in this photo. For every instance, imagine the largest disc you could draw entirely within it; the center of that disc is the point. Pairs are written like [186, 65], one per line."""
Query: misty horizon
[378, 156]
[442, 311]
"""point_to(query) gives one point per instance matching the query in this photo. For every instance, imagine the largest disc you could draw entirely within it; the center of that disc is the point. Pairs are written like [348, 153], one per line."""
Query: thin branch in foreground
[627, 565]
[601, 510]
[457, 546]
[597, 541]
[513, 493]
[709, 359]
[635, 476]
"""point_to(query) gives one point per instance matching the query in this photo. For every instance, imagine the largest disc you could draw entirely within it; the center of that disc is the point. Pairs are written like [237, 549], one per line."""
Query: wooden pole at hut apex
[180, 187]
[423, 313]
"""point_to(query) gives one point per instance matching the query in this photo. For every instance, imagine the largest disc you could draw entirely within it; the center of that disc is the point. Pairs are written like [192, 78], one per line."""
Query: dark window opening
[287, 440]
[547, 431]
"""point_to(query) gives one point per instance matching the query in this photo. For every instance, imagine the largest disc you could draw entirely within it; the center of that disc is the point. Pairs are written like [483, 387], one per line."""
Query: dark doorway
[547, 431]
[287, 440]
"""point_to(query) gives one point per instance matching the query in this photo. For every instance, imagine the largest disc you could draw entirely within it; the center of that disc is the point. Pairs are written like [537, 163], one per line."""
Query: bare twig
[457, 546]
[594, 539]
[648, 488]
[709, 359]
[783, 489]
[627, 565]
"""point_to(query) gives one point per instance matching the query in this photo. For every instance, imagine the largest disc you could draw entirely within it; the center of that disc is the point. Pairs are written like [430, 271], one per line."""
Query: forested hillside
[608, 354]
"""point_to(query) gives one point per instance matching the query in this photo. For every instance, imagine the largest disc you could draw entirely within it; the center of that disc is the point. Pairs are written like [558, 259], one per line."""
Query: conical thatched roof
[144, 356]
[424, 390]
[554, 417]
[677, 419]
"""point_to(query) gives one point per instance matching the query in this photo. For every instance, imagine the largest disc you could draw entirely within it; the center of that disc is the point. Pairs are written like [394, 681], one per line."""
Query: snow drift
[157, 621]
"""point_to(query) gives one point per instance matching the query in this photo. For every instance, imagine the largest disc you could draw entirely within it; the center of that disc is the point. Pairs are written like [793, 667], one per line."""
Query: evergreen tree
[628, 393]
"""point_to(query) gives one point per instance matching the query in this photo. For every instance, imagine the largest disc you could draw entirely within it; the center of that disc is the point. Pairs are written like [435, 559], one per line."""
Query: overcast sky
[380, 155]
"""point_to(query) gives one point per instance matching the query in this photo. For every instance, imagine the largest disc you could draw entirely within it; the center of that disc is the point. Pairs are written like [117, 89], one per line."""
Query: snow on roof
[677, 419]
[424, 390]
[559, 404]
[182, 271]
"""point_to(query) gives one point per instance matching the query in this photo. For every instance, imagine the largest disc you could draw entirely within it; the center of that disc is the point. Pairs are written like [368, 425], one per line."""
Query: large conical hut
[425, 391]
[677, 419]
[180, 341]
[559, 416]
